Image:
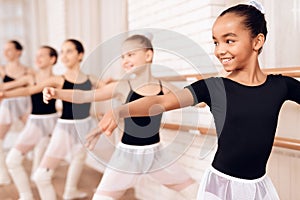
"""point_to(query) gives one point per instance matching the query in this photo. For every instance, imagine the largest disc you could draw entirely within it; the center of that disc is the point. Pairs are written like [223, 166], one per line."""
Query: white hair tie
[257, 5]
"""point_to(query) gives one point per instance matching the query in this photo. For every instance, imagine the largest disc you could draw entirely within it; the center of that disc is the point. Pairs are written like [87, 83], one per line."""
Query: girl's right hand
[48, 94]
[108, 123]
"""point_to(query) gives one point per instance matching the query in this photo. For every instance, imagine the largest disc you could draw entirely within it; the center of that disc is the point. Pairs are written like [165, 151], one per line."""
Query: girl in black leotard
[139, 151]
[11, 109]
[39, 124]
[75, 119]
[245, 106]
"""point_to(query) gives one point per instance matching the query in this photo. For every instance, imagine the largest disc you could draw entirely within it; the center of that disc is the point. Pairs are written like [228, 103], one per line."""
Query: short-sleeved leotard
[246, 119]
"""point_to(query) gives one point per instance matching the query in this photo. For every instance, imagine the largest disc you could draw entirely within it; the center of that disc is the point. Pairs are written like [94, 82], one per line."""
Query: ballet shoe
[26, 197]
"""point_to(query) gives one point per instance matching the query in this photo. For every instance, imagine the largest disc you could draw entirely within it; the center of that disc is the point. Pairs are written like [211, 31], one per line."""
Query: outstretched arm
[146, 106]
[100, 83]
[25, 91]
[21, 82]
[155, 105]
[80, 96]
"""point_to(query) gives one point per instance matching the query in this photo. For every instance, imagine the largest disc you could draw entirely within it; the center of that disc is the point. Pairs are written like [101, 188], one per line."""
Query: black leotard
[246, 120]
[7, 79]
[39, 107]
[141, 130]
[73, 110]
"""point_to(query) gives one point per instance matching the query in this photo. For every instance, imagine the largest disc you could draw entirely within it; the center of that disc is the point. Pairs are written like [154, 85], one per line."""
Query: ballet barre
[287, 71]
[288, 143]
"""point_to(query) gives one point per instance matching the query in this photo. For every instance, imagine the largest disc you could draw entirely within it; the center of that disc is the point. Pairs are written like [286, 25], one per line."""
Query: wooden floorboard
[88, 182]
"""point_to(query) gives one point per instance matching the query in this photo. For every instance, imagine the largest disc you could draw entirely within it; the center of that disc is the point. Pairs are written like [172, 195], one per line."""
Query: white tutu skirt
[37, 127]
[129, 163]
[68, 137]
[216, 185]
[13, 108]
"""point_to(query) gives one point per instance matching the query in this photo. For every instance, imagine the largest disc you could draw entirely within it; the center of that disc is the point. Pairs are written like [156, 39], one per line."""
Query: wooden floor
[88, 182]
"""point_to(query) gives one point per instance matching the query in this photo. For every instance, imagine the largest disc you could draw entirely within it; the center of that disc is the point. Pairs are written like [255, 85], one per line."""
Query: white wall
[192, 18]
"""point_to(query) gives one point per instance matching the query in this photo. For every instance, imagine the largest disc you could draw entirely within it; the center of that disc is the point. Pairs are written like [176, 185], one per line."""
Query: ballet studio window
[11, 22]
[282, 45]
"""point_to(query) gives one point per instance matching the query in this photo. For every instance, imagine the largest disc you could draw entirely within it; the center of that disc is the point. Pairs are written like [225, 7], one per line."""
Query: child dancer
[245, 106]
[75, 119]
[11, 109]
[140, 147]
[39, 125]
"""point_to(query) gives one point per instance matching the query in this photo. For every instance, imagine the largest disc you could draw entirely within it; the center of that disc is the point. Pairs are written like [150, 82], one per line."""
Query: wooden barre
[287, 71]
[203, 130]
[287, 143]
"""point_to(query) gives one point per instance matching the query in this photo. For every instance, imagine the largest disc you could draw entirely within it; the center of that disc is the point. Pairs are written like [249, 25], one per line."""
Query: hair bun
[257, 5]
